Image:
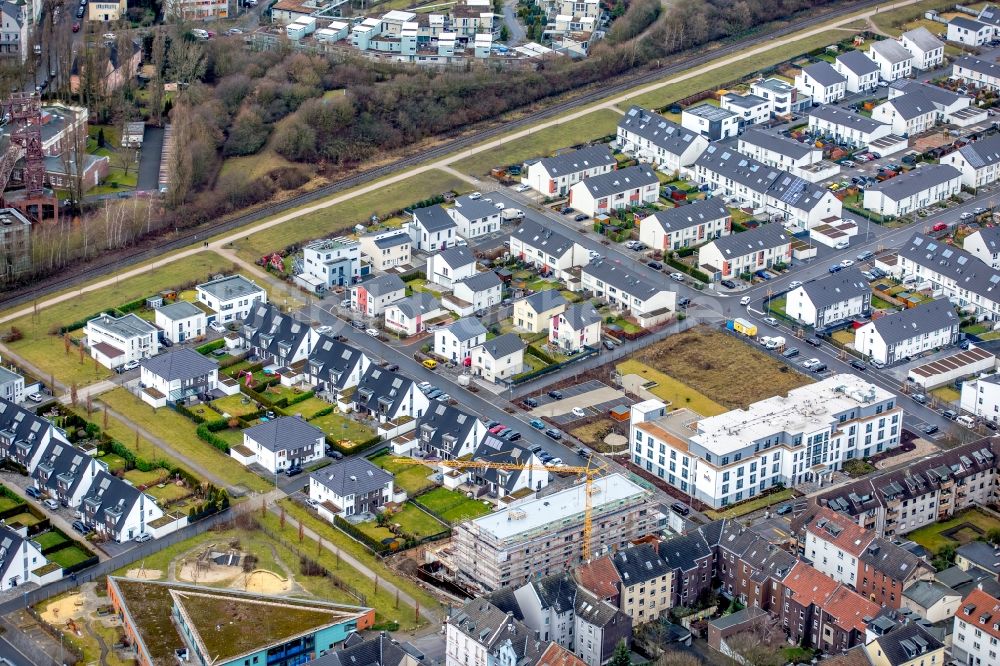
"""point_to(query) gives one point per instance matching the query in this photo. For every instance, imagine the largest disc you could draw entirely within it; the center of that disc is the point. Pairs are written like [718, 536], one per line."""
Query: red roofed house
[977, 630]
[834, 543]
[842, 620]
[557, 655]
[805, 590]
[600, 577]
[827, 614]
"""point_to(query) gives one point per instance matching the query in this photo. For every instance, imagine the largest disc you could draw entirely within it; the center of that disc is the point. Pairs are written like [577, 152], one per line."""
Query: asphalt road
[149, 160]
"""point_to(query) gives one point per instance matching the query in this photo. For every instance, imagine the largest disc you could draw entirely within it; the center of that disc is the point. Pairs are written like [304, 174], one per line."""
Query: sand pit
[204, 573]
[263, 581]
[57, 612]
[145, 574]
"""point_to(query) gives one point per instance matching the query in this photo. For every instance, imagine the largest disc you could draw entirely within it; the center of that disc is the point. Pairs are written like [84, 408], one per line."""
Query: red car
[940, 226]
[497, 428]
[76, 27]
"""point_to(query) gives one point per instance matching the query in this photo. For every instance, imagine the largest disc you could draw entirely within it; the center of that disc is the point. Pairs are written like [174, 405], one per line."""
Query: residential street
[514, 26]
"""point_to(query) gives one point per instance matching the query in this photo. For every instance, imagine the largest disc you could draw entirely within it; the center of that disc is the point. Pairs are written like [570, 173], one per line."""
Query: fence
[338, 582]
[534, 374]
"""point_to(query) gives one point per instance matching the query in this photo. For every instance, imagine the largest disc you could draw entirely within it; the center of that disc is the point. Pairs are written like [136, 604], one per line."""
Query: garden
[411, 478]
[453, 507]
[962, 528]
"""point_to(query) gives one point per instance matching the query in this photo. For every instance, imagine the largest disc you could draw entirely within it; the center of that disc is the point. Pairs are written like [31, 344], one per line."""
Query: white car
[323, 330]
[131, 365]
[794, 284]
[678, 276]
[522, 188]
[143, 538]
[423, 386]
[966, 216]
[578, 411]
[811, 363]
[499, 206]
[36, 397]
[770, 321]
[476, 195]
[372, 332]
[217, 327]
[847, 263]
[745, 300]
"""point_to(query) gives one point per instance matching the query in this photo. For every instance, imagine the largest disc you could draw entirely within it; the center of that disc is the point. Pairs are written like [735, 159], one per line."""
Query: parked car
[579, 411]
[424, 387]
[929, 429]
[814, 342]
[530, 402]
[143, 538]
[680, 508]
[32, 492]
[966, 215]
[858, 365]
[522, 188]
[940, 226]
[372, 332]
[429, 363]
[217, 327]
[770, 321]
[608, 344]
[794, 284]
[683, 302]
[513, 436]
[566, 210]
[677, 276]
[537, 424]
[728, 284]
[791, 352]
[919, 398]
[655, 265]
[435, 393]
[36, 397]
[580, 217]
[80, 527]
[836, 268]
[784, 509]
[866, 255]
[950, 414]
[131, 365]
[496, 429]
[294, 470]
[444, 397]
[811, 363]
[556, 395]
[51, 504]
[819, 368]
[553, 433]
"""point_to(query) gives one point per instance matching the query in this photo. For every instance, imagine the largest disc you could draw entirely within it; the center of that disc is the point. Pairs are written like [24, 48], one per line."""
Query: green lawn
[947, 394]
[342, 217]
[139, 478]
[235, 405]
[417, 522]
[931, 537]
[51, 538]
[341, 427]
[891, 21]
[670, 390]
[372, 529]
[47, 351]
[308, 408]
[9, 503]
[170, 492]
[420, 284]
[881, 304]
[26, 519]
[751, 505]
[411, 478]
[179, 432]
[69, 556]
[453, 506]
[502, 152]
[233, 436]
[113, 462]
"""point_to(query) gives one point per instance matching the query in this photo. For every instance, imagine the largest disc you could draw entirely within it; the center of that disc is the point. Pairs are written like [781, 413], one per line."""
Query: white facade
[545, 248]
[983, 246]
[115, 342]
[752, 110]
[572, 336]
[181, 323]
[976, 635]
[555, 176]
[799, 305]
[893, 60]
[979, 162]
[770, 154]
[744, 260]
[649, 137]
[847, 127]
[484, 220]
[275, 460]
[860, 71]
[11, 386]
[441, 271]
[386, 250]
[889, 348]
[926, 49]
[920, 114]
[914, 190]
[673, 237]
[346, 503]
[981, 397]
[334, 262]
[478, 299]
[969, 32]
[232, 298]
[781, 440]
[453, 347]
[17, 566]
[622, 194]
[496, 368]
[822, 85]
[372, 301]
[626, 294]
[711, 122]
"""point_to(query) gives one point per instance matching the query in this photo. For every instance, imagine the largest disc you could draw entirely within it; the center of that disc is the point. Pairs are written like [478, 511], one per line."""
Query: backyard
[670, 390]
[69, 556]
[960, 529]
[411, 520]
[452, 506]
[750, 506]
[341, 428]
[411, 478]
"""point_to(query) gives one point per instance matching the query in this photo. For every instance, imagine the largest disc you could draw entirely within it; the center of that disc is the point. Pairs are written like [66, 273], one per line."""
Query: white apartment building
[231, 298]
[181, 321]
[712, 122]
[907, 114]
[979, 162]
[751, 109]
[649, 137]
[777, 151]
[926, 49]
[784, 97]
[846, 126]
[117, 341]
[622, 188]
[860, 71]
[553, 176]
[894, 337]
[785, 439]
[332, 262]
[976, 635]
[894, 61]
[824, 83]
[386, 250]
[830, 300]
[685, 226]
[11, 386]
[834, 543]
[913, 190]
[981, 397]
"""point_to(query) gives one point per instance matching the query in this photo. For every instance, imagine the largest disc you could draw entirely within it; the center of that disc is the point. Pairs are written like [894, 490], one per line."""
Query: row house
[445, 432]
[846, 126]
[776, 151]
[976, 635]
[885, 570]
[276, 338]
[860, 71]
[908, 115]
[831, 299]
[649, 137]
[980, 73]
[819, 611]
[978, 162]
[524, 474]
[685, 226]
[546, 248]
[65, 473]
[649, 301]
[901, 335]
[24, 436]
[387, 396]
[926, 49]
[117, 510]
[756, 249]
[554, 176]
[913, 190]
[710, 121]
[749, 568]
[615, 190]
[334, 367]
[951, 107]
[969, 31]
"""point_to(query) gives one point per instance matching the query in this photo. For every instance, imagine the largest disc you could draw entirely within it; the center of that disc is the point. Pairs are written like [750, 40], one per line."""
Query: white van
[199, 33]
[966, 421]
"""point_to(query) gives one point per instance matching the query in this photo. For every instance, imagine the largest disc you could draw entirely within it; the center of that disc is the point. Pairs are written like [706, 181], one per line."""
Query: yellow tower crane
[589, 473]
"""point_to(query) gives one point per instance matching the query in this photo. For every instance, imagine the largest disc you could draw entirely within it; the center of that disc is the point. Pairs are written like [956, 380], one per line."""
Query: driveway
[514, 27]
[149, 160]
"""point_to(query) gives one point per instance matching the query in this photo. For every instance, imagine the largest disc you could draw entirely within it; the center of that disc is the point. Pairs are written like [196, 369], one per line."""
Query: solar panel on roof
[962, 260]
[947, 254]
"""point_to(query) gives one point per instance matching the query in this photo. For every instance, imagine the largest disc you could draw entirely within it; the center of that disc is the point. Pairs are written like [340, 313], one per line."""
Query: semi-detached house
[350, 487]
[860, 71]
[375, 294]
[386, 250]
[387, 396]
[545, 248]
[747, 252]
[410, 315]
[926, 49]
[979, 162]
[554, 176]
[334, 367]
[181, 321]
[685, 226]
[951, 107]
[477, 292]
[533, 313]
[279, 444]
[577, 327]
[984, 245]
[894, 61]
[982, 73]
[627, 291]
[65, 473]
[499, 358]
[913, 190]
[969, 31]
[624, 188]
[824, 83]
[451, 265]
[177, 375]
[830, 300]
[456, 341]
[846, 126]
[276, 338]
[116, 510]
[894, 337]
[649, 137]
[907, 114]
[475, 217]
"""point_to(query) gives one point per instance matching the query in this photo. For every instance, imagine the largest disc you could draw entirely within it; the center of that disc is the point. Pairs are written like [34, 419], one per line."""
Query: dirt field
[147, 574]
[932, 140]
[263, 581]
[730, 372]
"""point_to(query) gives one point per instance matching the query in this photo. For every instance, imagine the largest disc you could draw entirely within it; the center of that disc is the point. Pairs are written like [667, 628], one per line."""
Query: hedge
[302, 397]
[357, 448]
[367, 540]
[181, 409]
[210, 347]
[132, 306]
[80, 323]
[537, 353]
[693, 272]
[323, 412]
[205, 434]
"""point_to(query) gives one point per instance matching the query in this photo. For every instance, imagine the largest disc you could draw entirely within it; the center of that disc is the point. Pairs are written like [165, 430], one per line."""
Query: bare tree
[760, 643]
[126, 158]
[677, 658]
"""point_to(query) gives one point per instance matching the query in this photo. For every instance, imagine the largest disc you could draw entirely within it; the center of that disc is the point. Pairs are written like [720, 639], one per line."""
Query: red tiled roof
[600, 577]
[808, 585]
[839, 530]
[977, 606]
[848, 608]
[557, 655]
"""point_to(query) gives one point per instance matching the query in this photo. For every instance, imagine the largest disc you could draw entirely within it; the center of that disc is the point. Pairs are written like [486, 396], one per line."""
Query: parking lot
[578, 402]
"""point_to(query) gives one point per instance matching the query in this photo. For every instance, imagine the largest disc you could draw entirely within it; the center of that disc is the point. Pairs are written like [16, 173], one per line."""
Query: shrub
[206, 435]
[210, 347]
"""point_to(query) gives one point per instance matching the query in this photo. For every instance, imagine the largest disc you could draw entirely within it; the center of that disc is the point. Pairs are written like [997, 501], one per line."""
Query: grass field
[947, 394]
[453, 506]
[931, 537]
[419, 523]
[844, 336]
[752, 505]
[47, 351]
[140, 478]
[411, 478]
[179, 432]
[51, 538]
[26, 519]
[9, 503]
[234, 405]
[343, 216]
[892, 21]
[716, 364]
[670, 390]
[340, 427]
[542, 143]
[69, 556]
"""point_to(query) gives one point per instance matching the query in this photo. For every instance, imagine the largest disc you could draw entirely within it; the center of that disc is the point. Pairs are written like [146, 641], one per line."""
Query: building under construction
[25, 151]
[544, 535]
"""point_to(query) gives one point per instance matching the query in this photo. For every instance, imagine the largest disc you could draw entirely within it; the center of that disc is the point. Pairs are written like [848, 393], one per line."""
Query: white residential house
[969, 31]
[981, 397]
[231, 298]
[533, 313]
[712, 122]
[894, 337]
[648, 301]
[65, 473]
[22, 556]
[984, 245]
[456, 341]
[546, 248]
[990, 14]
[624, 188]
[894, 61]
[747, 252]
[976, 632]
[375, 294]
[386, 250]
[351, 487]
[553, 176]
[913, 190]
[979, 162]
[777, 151]
[115, 341]
[449, 266]
[860, 71]
[181, 321]
[388, 396]
[11, 386]
[577, 327]
[281, 443]
[475, 293]
[785, 98]
[649, 137]
[952, 107]
[180, 374]
[834, 544]
[475, 217]
[982, 73]
[751, 109]
[908, 114]
[117, 510]
[498, 359]
[410, 315]
[331, 262]
[432, 228]
[846, 126]
[685, 226]
[926, 49]
[824, 83]
[830, 300]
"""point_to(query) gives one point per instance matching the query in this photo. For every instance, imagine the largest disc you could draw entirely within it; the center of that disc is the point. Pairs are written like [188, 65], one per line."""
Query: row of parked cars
[433, 392]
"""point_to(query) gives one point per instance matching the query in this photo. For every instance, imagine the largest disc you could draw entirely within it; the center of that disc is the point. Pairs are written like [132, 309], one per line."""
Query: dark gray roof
[505, 600]
[112, 497]
[333, 361]
[596, 611]
[579, 160]
[230, 287]
[737, 618]
[684, 552]
[939, 96]
[624, 279]
[445, 429]
[983, 555]
[544, 300]
[923, 38]
[352, 476]
[990, 14]
[744, 101]
[926, 593]
[824, 74]
[639, 564]
[836, 288]
[662, 133]
[893, 561]
[858, 62]
[709, 112]
[912, 105]
[579, 315]
[924, 318]
[489, 626]
[557, 591]
[891, 50]
[434, 218]
[967, 271]
[533, 234]
[904, 644]
[467, 328]
[764, 237]
[392, 240]
[984, 67]
[272, 332]
[285, 433]
[620, 180]
[378, 650]
[381, 390]
[418, 304]
[62, 464]
[984, 152]
[184, 363]
[494, 450]
[482, 281]
[778, 144]
[380, 285]
[474, 209]
[990, 237]
[969, 24]
[684, 217]
[839, 116]
[126, 326]
[180, 310]
[759, 177]
[457, 256]
[503, 345]
[18, 425]
[916, 181]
